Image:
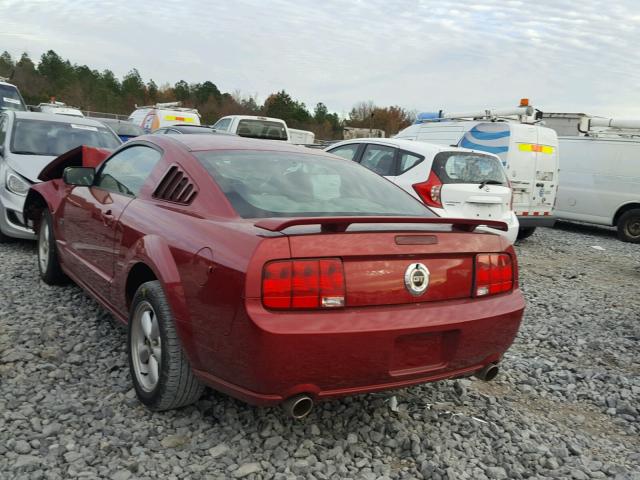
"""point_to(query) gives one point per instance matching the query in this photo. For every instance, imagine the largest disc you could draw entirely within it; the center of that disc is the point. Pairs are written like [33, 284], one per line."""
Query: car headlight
[17, 184]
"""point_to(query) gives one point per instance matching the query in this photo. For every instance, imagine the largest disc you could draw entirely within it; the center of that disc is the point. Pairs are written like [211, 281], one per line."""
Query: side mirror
[79, 176]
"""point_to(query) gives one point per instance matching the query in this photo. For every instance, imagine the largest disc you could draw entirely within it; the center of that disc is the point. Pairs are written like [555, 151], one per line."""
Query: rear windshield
[38, 137]
[467, 167]
[10, 99]
[263, 184]
[262, 129]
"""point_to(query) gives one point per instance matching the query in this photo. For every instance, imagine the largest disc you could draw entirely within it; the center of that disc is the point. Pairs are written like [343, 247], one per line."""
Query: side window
[408, 160]
[127, 171]
[379, 158]
[348, 152]
[222, 124]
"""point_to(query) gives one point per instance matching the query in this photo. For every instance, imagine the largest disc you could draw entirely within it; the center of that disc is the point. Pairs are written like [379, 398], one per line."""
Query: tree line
[90, 89]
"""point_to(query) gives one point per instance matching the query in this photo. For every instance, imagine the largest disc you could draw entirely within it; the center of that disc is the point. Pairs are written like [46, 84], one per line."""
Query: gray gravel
[566, 404]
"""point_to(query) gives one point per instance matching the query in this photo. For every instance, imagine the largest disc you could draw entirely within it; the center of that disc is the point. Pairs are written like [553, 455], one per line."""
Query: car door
[91, 215]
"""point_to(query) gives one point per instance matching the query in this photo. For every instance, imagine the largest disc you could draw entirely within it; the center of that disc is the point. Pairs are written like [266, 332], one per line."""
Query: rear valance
[340, 224]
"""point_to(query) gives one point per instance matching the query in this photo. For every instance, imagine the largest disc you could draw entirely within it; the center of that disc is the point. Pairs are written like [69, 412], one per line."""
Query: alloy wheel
[146, 346]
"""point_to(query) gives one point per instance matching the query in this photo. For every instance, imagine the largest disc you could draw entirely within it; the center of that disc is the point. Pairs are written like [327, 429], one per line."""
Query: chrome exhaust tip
[298, 406]
[488, 373]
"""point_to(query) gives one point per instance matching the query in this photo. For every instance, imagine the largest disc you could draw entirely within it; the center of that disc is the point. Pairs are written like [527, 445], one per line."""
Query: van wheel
[629, 226]
[525, 232]
[161, 374]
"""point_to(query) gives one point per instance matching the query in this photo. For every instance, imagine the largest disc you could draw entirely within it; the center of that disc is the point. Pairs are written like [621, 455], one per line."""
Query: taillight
[429, 191]
[494, 274]
[303, 284]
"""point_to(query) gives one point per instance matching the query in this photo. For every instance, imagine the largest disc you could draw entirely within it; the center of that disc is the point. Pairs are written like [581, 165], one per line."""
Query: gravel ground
[566, 404]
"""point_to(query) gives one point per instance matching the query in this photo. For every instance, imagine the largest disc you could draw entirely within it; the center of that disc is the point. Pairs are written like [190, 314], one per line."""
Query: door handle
[107, 218]
[539, 184]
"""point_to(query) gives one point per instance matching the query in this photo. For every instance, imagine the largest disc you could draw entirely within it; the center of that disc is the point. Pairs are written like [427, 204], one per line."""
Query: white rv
[600, 175]
[529, 153]
[152, 117]
[301, 137]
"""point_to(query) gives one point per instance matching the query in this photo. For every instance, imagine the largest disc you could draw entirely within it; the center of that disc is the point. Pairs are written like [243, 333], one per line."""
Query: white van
[528, 152]
[252, 126]
[60, 108]
[152, 117]
[600, 183]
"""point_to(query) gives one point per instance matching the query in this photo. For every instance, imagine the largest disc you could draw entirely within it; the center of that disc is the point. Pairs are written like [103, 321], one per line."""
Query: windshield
[262, 129]
[10, 99]
[38, 137]
[468, 167]
[263, 184]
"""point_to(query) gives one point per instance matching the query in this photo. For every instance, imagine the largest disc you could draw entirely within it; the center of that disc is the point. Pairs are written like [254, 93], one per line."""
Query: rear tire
[48, 263]
[525, 232]
[160, 371]
[629, 226]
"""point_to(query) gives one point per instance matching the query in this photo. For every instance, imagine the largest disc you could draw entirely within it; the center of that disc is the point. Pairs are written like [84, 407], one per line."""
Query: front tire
[629, 226]
[48, 262]
[160, 371]
[525, 232]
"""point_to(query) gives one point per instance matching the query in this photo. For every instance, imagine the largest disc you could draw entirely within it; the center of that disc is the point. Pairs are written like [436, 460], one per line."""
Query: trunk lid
[376, 263]
[491, 202]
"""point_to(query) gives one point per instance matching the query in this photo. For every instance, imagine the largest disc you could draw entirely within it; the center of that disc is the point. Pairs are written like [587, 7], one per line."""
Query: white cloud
[425, 55]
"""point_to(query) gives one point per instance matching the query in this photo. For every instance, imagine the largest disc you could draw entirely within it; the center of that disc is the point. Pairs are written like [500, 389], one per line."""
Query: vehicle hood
[28, 166]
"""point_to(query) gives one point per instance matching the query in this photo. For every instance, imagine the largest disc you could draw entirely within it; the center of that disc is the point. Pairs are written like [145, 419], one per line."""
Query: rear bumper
[331, 354]
[537, 221]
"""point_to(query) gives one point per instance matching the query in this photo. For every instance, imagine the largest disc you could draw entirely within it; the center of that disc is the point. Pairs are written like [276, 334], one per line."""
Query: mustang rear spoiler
[340, 224]
[82, 156]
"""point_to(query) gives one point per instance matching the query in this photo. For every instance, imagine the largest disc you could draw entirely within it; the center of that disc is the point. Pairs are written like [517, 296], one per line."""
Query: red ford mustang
[272, 272]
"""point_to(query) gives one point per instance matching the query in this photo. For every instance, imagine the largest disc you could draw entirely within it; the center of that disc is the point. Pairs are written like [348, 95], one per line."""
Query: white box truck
[600, 175]
[529, 153]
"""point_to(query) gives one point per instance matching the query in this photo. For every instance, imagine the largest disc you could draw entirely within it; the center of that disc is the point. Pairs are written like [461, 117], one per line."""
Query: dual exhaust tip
[299, 406]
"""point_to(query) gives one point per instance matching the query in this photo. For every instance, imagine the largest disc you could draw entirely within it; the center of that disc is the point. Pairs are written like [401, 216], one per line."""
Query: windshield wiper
[489, 182]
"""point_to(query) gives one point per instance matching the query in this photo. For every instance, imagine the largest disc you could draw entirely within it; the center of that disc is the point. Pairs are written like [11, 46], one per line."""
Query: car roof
[197, 143]
[56, 117]
[423, 148]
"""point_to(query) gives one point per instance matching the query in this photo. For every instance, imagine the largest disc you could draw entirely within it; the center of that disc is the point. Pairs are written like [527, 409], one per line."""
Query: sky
[423, 55]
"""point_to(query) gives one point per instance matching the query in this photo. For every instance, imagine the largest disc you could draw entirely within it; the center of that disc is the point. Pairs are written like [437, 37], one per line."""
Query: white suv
[453, 182]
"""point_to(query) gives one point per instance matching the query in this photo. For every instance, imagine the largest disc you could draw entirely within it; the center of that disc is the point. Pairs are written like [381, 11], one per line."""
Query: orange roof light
[524, 102]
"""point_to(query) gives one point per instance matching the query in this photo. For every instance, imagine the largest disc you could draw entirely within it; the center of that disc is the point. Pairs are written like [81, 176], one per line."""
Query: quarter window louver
[175, 186]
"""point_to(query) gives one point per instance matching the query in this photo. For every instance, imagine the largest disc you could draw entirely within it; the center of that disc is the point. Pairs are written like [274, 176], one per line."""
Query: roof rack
[523, 113]
[170, 105]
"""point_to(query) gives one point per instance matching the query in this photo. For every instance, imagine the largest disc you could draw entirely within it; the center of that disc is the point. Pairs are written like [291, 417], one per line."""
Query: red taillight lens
[429, 191]
[288, 284]
[494, 274]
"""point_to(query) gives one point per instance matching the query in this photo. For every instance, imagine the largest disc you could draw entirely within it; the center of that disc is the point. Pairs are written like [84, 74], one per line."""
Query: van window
[467, 167]
[222, 124]
[379, 158]
[264, 129]
[348, 152]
